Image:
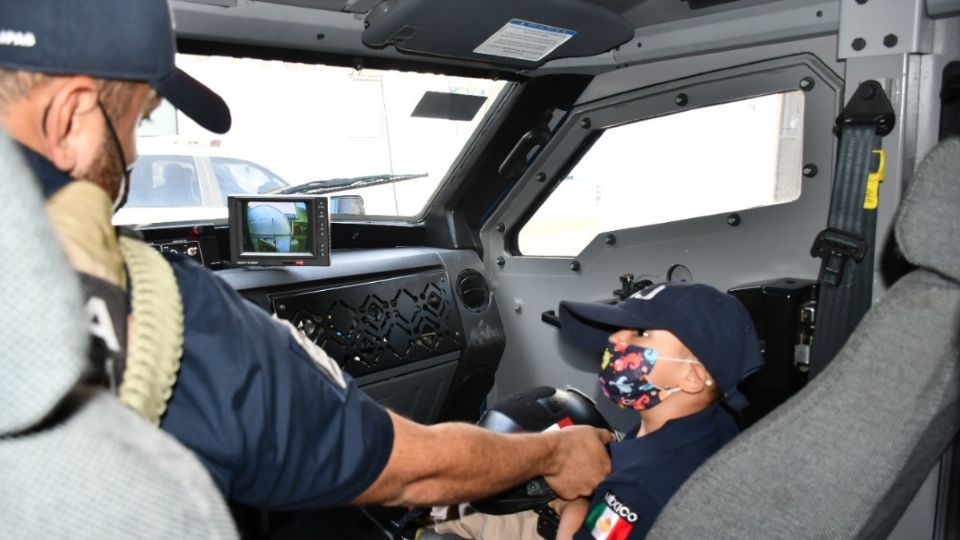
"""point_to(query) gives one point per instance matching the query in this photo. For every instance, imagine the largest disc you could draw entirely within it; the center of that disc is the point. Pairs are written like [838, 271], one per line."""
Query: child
[676, 350]
[671, 352]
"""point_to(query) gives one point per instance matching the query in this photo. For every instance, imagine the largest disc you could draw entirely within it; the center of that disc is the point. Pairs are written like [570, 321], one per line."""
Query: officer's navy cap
[128, 40]
[713, 325]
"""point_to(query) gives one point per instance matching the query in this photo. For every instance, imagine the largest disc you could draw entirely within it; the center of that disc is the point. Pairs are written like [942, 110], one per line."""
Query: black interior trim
[468, 199]
[950, 101]
[511, 238]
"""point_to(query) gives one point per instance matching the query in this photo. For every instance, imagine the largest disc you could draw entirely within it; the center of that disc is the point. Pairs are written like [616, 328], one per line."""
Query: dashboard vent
[472, 290]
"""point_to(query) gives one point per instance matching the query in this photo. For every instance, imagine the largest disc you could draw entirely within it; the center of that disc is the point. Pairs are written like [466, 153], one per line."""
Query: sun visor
[508, 33]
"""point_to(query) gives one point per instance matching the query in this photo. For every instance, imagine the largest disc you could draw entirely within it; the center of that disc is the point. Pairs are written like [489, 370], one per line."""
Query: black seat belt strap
[847, 245]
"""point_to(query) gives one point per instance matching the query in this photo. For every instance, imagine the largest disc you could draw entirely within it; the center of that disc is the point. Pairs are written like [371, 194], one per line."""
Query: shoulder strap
[847, 245]
[155, 343]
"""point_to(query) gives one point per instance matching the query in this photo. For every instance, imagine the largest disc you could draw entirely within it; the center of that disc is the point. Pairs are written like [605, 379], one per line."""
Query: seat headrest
[42, 329]
[928, 227]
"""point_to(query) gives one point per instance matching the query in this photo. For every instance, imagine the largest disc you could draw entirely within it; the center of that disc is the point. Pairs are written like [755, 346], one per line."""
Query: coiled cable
[155, 343]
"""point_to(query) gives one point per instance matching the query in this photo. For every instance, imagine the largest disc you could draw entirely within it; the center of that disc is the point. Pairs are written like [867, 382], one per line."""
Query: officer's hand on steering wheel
[580, 461]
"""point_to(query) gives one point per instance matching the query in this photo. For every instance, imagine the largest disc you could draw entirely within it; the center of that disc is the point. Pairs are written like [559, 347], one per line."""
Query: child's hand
[572, 514]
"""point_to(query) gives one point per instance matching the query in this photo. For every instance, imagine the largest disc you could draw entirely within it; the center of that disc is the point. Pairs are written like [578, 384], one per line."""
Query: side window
[164, 181]
[238, 177]
[723, 158]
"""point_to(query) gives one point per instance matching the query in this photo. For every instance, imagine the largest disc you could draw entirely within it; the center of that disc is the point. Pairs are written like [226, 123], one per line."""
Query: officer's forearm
[452, 463]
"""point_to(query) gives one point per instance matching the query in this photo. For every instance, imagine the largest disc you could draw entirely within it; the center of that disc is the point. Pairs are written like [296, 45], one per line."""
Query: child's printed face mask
[623, 376]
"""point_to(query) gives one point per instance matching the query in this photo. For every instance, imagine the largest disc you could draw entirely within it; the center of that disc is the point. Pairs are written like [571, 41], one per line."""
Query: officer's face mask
[124, 190]
[624, 373]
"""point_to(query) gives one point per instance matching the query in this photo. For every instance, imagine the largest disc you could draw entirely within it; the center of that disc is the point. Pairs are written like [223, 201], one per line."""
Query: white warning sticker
[525, 40]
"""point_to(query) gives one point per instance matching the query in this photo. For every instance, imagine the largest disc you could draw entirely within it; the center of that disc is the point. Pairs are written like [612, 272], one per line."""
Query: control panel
[201, 249]
[187, 248]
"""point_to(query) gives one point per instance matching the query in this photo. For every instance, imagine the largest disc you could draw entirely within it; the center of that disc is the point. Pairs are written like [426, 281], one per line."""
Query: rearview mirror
[351, 205]
[448, 106]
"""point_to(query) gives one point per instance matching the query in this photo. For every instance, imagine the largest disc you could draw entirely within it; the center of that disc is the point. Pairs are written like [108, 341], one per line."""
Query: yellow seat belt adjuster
[878, 165]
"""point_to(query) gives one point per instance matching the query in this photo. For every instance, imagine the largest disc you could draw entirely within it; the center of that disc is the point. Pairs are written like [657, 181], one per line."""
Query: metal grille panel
[369, 327]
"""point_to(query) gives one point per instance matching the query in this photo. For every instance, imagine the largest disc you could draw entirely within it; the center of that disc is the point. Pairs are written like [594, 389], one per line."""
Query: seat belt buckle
[548, 521]
[835, 247]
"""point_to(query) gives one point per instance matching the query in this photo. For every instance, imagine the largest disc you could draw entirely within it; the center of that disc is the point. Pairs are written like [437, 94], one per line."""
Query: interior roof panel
[296, 24]
[639, 12]
[650, 12]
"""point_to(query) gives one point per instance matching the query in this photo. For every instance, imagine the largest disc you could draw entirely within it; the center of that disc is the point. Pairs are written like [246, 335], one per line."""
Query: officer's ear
[72, 128]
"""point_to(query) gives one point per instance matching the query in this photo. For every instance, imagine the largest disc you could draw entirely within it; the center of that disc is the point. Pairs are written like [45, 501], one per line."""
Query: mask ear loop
[121, 198]
[670, 391]
[682, 360]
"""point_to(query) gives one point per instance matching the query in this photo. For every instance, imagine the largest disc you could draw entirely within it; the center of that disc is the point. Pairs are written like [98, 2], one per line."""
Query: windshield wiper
[319, 187]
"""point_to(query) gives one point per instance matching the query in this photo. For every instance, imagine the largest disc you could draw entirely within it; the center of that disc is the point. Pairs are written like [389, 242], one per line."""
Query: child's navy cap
[713, 325]
[129, 40]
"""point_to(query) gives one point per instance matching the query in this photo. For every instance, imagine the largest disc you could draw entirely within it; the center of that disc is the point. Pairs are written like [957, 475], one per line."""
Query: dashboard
[417, 328]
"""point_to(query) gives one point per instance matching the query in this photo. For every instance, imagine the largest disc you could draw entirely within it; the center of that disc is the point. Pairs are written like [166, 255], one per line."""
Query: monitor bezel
[317, 239]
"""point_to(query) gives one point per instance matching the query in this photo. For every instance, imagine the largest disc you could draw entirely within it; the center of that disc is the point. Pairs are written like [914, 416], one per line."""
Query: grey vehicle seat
[845, 456]
[74, 462]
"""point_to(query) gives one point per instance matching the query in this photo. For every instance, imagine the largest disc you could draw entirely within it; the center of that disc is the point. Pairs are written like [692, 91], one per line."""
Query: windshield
[377, 143]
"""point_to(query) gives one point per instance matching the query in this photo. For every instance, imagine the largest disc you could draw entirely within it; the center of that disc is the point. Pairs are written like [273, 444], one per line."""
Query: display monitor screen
[276, 227]
[271, 230]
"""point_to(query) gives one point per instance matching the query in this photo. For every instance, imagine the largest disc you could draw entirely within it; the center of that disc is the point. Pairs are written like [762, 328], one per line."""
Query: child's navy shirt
[648, 470]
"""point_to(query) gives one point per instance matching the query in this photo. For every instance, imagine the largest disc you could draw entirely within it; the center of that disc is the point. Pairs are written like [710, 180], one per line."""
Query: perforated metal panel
[377, 325]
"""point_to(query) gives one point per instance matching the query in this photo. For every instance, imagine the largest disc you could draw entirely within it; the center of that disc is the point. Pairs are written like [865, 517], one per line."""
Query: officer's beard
[110, 169]
[105, 170]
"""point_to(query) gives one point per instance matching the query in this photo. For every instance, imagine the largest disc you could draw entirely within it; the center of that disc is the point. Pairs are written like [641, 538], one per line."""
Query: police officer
[271, 416]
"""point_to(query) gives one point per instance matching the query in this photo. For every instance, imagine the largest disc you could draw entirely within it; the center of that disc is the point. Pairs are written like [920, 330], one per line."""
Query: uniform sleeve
[271, 416]
[620, 511]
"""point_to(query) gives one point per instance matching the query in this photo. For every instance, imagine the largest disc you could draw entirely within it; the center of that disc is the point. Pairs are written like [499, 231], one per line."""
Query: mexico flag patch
[611, 519]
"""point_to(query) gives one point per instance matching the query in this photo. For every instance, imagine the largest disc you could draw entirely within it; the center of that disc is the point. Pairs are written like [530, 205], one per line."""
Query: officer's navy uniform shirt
[648, 470]
[273, 429]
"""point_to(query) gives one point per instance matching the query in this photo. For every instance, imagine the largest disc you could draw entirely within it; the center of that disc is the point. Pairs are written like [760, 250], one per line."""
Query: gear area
[353, 523]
